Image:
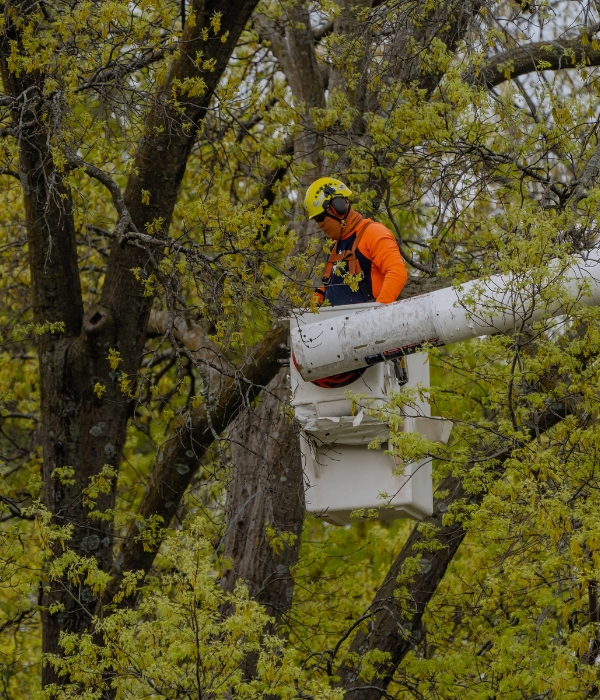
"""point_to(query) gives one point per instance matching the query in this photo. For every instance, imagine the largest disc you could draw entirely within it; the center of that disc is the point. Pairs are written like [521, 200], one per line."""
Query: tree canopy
[153, 538]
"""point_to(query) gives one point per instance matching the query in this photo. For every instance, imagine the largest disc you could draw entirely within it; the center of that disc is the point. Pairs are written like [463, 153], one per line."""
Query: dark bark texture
[168, 480]
[294, 46]
[266, 491]
[80, 430]
[266, 465]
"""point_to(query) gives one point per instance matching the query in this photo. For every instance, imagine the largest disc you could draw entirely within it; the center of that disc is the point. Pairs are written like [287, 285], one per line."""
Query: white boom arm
[504, 304]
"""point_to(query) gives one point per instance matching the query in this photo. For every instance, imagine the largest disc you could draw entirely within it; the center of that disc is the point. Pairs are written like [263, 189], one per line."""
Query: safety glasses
[320, 218]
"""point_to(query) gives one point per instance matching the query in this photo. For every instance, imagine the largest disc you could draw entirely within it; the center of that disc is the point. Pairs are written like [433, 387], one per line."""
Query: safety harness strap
[348, 256]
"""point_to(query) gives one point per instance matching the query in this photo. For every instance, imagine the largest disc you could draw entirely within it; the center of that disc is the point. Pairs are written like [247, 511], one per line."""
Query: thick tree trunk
[80, 430]
[160, 164]
[266, 488]
[265, 500]
[74, 434]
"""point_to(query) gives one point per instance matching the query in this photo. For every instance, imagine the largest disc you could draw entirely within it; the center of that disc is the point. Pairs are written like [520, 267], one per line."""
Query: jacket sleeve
[319, 295]
[380, 246]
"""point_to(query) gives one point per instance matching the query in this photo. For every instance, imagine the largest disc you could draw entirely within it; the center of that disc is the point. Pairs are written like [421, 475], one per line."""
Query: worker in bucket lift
[363, 248]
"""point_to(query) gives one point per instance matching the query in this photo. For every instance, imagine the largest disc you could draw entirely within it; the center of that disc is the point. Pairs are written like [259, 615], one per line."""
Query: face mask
[332, 227]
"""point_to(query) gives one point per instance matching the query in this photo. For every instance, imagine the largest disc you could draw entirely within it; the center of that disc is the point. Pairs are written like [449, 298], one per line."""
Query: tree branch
[272, 177]
[14, 508]
[56, 287]
[537, 57]
[161, 159]
[17, 619]
[192, 336]
[108, 75]
[179, 457]
[124, 221]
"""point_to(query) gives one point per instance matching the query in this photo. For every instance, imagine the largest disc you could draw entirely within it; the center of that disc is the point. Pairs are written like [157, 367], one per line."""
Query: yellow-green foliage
[473, 183]
[185, 638]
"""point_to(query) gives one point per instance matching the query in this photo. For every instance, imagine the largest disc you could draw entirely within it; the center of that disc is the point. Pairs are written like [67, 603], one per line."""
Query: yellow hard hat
[320, 192]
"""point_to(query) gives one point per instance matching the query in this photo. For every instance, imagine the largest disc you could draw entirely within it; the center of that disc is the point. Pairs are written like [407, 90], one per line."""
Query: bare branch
[124, 221]
[17, 619]
[14, 509]
[537, 57]
[108, 75]
[179, 457]
[267, 192]
[10, 172]
[244, 127]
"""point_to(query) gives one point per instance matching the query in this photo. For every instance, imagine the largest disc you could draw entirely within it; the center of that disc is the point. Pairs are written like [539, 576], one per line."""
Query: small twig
[17, 619]
[14, 508]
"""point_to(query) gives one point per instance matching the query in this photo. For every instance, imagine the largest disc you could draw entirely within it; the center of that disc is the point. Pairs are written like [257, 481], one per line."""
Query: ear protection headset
[340, 205]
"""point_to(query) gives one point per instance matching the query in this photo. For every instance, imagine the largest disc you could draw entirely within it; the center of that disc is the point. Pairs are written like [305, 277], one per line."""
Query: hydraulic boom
[503, 303]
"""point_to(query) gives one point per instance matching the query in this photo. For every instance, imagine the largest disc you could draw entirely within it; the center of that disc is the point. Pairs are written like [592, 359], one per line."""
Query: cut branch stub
[96, 319]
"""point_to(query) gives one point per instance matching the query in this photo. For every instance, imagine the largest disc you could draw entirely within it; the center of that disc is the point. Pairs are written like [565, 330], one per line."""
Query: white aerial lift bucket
[342, 475]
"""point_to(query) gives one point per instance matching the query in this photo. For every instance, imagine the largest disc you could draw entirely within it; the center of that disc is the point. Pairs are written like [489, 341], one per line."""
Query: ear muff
[340, 205]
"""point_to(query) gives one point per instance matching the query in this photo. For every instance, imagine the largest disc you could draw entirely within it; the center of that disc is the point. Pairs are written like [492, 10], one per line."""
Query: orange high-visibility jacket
[380, 261]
